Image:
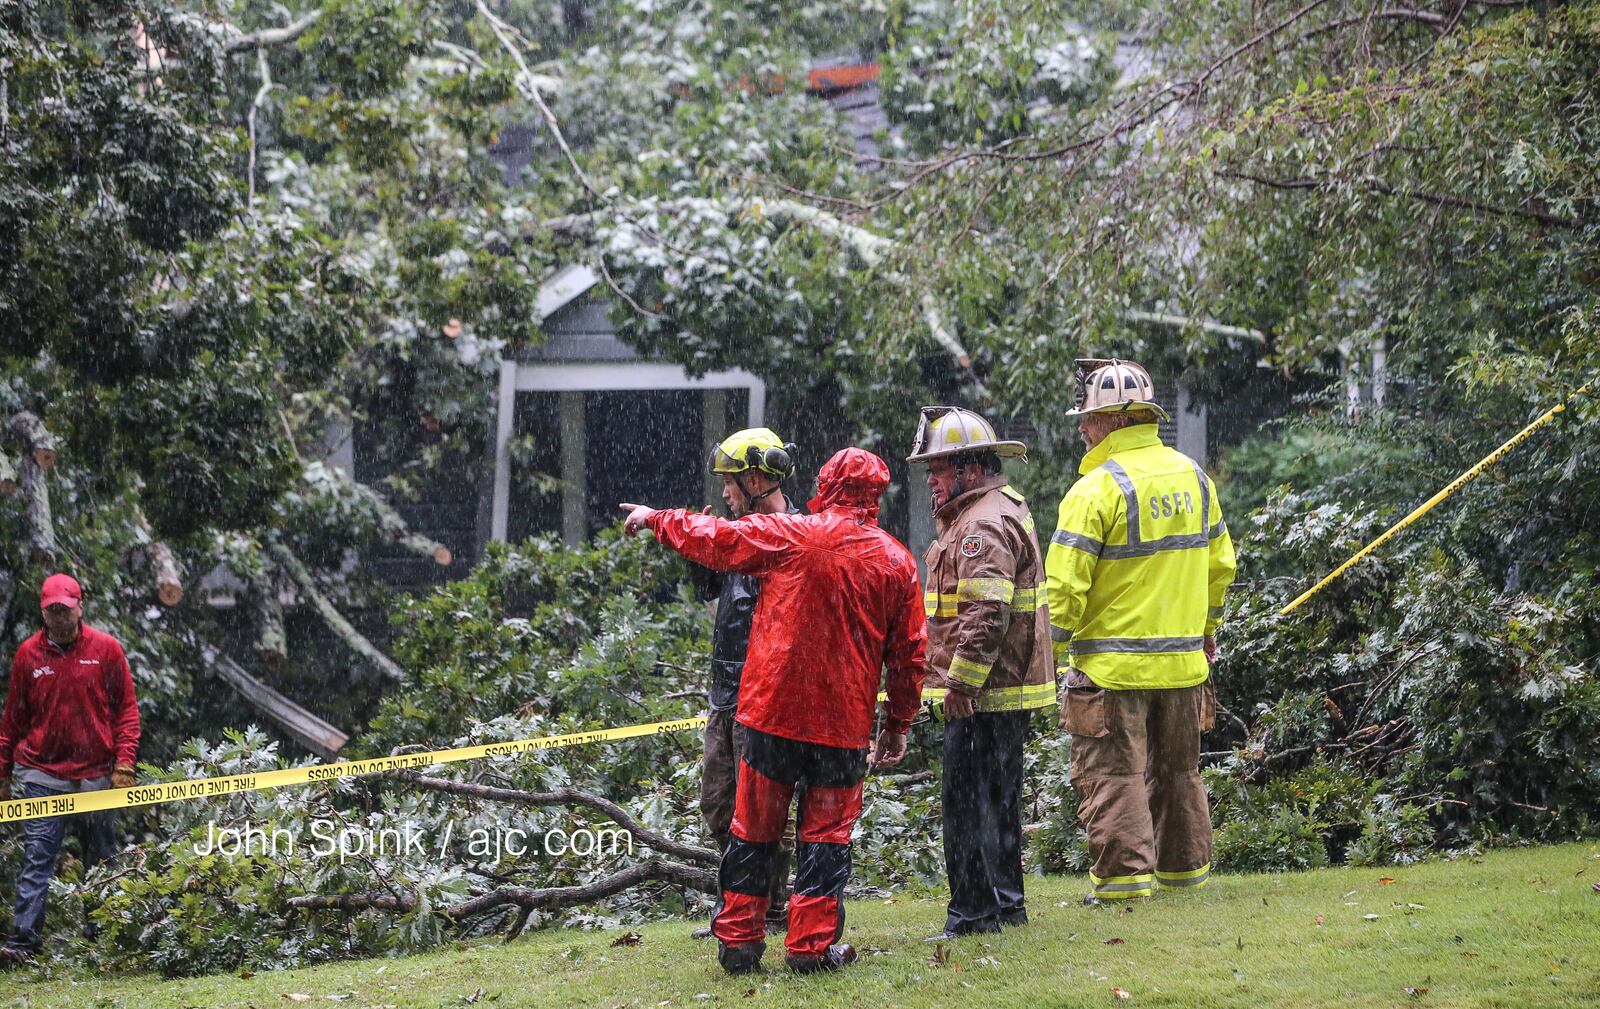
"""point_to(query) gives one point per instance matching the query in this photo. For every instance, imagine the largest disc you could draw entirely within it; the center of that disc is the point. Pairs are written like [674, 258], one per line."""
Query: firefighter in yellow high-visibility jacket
[1135, 579]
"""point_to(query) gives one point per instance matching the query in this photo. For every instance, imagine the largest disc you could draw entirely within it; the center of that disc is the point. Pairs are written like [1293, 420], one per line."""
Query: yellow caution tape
[1449, 489]
[207, 788]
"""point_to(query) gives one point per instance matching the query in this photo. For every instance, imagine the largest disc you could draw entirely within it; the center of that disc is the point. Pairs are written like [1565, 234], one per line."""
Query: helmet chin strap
[956, 491]
[752, 499]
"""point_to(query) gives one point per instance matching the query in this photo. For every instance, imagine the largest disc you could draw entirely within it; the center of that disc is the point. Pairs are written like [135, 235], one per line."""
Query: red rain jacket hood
[853, 478]
[840, 605]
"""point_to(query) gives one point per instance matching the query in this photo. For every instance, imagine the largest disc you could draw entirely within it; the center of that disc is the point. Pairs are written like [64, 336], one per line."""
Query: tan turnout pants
[1135, 766]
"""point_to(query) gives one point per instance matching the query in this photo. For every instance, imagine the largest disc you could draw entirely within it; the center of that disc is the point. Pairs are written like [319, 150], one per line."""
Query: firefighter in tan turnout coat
[989, 643]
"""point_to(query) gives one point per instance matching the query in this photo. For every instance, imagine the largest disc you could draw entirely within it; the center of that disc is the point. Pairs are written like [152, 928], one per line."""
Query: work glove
[122, 776]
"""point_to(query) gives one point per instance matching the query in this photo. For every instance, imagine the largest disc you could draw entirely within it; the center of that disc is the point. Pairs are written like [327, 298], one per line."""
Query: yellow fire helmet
[1113, 386]
[755, 448]
[951, 430]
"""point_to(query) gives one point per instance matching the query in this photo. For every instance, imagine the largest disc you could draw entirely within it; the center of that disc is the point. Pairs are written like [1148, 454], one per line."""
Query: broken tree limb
[271, 36]
[8, 476]
[169, 576]
[564, 797]
[42, 545]
[869, 248]
[346, 632]
[527, 898]
[396, 529]
[1206, 325]
[390, 523]
[313, 733]
[164, 566]
[36, 438]
[272, 643]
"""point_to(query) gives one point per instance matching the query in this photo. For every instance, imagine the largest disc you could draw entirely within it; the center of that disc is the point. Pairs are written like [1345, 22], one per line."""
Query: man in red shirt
[840, 601]
[71, 724]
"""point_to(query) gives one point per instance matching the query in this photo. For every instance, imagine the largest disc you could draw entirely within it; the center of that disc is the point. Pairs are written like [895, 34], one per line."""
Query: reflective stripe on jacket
[988, 633]
[1138, 565]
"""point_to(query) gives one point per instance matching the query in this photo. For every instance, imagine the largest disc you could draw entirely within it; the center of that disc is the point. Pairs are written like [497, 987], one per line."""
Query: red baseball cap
[60, 590]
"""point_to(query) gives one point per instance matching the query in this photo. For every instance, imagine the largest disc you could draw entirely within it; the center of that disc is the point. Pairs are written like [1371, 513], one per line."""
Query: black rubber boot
[744, 958]
[839, 954]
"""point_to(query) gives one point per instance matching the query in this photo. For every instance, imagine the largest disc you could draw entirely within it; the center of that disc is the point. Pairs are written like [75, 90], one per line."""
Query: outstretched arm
[749, 546]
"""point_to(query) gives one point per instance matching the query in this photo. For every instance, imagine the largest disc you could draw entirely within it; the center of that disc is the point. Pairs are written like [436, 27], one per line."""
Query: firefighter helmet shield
[951, 430]
[755, 448]
[1113, 386]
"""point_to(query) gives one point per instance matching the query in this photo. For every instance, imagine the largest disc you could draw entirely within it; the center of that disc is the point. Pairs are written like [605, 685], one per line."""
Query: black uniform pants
[983, 819]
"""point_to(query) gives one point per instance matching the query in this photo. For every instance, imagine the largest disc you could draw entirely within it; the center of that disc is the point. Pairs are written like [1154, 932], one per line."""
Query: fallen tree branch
[1206, 325]
[168, 575]
[564, 797]
[271, 36]
[272, 641]
[398, 532]
[164, 566]
[353, 639]
[1420, 195]
[36, 438]
[42, 546]
[527, 898]
[393, 527]
[527, 83]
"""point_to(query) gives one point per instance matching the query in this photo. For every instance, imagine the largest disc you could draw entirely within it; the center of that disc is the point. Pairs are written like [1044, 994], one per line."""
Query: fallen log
[36, 438]
[169, 576]
[312, 732]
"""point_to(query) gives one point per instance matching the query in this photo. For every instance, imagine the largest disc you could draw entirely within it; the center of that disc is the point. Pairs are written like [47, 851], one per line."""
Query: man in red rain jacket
[71, 724]
[840, 601]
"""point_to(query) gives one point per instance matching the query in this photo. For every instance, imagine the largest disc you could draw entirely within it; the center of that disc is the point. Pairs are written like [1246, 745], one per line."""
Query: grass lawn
[1514, 928]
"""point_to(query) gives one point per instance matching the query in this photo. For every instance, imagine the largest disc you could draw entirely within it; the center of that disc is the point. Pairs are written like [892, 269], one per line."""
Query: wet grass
[1515, 929]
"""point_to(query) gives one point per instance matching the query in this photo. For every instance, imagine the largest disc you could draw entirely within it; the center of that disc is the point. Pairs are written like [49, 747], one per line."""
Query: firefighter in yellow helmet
[753, 465]
[988, 640]
[1136, 572]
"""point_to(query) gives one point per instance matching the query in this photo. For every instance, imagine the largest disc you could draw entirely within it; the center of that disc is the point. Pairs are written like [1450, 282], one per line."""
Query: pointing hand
[638, 515]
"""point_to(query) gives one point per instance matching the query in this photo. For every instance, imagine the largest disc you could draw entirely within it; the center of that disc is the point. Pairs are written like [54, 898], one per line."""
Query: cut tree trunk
[8, 476]
[38, 440]
[395, 529]
[169, 576]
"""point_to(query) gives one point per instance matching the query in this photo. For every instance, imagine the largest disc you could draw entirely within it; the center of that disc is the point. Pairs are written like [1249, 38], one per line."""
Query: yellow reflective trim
[1014, 494]
[1027, 600]
[985, 590]
[1123, 887]
[1023, 698]
[1028, 526]
[935, 605]
[971, 673]
[1191, 874]
[1062, 651]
